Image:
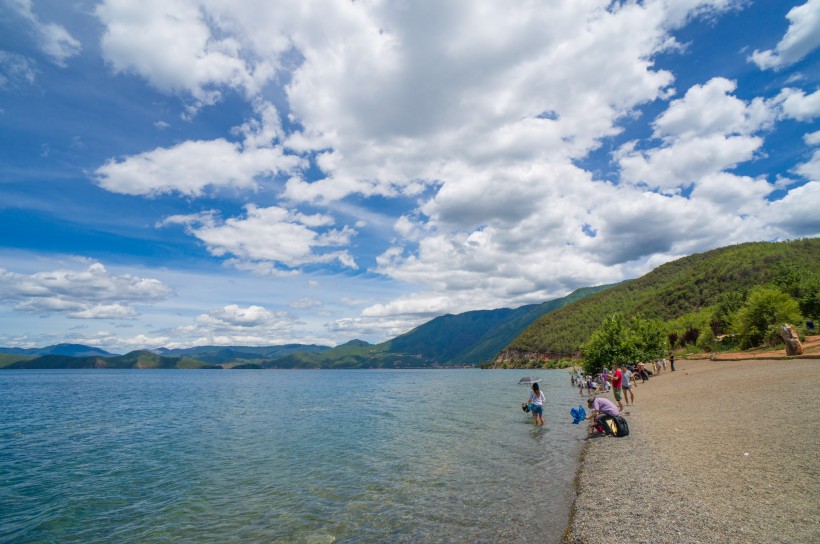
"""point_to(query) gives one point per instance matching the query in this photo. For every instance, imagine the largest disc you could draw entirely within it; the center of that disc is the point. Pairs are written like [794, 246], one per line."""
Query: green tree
[802, 286]
[765, 310]
[647, 339]
[706, 338]
[608, 344]
[727, 304]
[809, 300]
[638, 340]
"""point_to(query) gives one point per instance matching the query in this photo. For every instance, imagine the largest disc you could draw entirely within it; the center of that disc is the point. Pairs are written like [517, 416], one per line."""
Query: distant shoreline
[719, 451]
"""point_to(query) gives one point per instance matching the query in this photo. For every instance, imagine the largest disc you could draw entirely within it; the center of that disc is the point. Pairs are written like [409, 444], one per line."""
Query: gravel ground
[718, 452]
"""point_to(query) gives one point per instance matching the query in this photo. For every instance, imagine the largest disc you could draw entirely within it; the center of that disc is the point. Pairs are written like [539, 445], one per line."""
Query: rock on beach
[718, 452]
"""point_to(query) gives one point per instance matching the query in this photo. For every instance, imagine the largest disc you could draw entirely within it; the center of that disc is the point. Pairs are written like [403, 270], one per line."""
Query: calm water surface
[186, 456]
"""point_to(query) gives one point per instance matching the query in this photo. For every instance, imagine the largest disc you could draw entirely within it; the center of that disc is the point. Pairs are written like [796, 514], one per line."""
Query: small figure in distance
[537, 404]
[592, 387]
[642, 373]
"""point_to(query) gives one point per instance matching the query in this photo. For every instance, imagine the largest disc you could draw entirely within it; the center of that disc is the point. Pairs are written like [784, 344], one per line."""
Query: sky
[262, 172]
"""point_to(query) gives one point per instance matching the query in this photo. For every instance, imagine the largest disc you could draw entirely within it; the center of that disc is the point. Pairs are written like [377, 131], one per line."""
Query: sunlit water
[176, 456]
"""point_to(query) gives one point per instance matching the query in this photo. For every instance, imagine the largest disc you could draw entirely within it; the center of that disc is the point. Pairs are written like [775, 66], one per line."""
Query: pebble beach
[718, 452]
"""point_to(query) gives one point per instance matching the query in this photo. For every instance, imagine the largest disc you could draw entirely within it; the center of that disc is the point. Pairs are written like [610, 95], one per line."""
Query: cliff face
[513, 358]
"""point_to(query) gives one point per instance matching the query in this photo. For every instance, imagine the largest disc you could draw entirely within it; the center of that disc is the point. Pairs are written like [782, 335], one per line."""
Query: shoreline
[718, 451]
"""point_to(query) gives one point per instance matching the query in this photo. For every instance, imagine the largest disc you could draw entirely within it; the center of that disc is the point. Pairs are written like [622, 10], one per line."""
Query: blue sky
[188, 172]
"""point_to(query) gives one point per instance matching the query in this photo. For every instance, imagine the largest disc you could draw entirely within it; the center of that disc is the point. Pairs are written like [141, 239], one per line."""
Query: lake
[306, 456]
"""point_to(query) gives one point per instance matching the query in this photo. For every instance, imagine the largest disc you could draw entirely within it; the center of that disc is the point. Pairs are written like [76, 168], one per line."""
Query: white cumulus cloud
[703, 133]
[795, 104]
[475, 120]
[92, 293]
[272, 234]
[239, 325]
[802, 37]
[191, 167]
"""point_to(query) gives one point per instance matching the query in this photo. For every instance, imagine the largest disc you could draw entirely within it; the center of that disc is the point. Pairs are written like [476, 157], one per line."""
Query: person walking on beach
[536, 403]
[672, 361]
[617, 380]
[627, 386]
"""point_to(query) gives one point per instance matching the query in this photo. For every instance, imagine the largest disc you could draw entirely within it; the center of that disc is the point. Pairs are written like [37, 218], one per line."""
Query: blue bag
[578, 415]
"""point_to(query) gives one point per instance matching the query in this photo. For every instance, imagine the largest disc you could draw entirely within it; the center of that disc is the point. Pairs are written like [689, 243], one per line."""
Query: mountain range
[71, 350]
[451, 340]
[502, 337]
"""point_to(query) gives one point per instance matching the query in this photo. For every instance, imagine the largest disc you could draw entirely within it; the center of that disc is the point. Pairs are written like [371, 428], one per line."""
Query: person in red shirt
[617, 379]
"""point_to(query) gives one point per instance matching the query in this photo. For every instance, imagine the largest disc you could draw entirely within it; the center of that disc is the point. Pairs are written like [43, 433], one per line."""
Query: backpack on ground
[609, 426]
[622, 426]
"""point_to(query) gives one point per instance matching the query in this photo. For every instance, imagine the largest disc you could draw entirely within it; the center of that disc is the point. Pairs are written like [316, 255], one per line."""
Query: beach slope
[719, 451]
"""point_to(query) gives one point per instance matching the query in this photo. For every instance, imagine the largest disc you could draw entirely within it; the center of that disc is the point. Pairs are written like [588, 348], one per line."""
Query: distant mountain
[353, 354]
[240, 354]
[451, 340]
[7, 359]
[477, 336]
[70, 350]
[134, 359]
[668, 292]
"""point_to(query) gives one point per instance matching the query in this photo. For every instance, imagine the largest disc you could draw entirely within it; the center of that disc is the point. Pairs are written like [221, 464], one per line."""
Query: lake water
[197, 456]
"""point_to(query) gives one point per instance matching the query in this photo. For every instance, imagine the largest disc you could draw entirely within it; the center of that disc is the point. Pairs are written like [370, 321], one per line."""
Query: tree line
[739, 319]
[721, 299]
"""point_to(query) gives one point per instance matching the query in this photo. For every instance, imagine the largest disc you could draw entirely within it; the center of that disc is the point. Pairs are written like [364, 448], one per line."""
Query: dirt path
[811, 349]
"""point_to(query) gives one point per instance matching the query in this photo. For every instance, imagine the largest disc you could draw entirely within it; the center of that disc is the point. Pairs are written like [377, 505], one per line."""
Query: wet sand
[719, 451]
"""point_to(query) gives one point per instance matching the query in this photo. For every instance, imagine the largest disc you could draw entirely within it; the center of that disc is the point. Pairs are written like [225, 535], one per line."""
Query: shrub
[706, 338]
[690, 336]
[765, 308]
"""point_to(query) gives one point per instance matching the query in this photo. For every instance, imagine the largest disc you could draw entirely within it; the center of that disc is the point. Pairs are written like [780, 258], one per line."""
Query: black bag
[609, 425]
[623, 426]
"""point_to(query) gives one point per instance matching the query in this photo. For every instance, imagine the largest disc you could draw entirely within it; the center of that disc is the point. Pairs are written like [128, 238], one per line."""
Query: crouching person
[601, 409]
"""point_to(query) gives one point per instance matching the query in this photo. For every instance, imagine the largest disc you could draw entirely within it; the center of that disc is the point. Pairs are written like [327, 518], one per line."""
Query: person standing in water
[536, 403]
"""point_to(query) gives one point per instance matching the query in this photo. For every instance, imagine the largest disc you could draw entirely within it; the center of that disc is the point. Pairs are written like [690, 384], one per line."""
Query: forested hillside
[135, 359]
[670, 291]
[468, 339]
[240, 355]
[474, 337]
